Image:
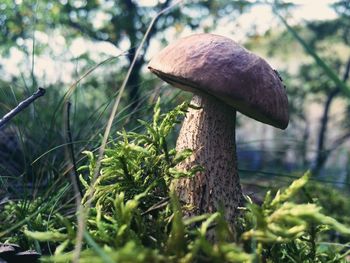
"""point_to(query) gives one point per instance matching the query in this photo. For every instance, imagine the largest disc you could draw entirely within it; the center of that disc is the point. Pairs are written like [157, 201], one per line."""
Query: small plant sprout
[224, 78]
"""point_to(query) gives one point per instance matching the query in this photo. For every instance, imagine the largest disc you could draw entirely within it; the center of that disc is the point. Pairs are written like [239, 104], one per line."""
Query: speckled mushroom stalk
[210, 132]
[224, 78]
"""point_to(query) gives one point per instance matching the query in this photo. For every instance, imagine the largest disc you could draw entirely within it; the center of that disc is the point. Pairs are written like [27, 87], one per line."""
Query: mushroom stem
[210, 133]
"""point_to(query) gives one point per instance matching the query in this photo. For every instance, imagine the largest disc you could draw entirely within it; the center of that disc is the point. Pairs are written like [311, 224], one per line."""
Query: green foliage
[333, 201]
[140, 163]
[20, 218]
[135, 217]
[289, 232]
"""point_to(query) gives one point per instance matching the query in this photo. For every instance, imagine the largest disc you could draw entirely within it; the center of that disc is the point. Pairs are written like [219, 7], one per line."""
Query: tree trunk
[134, 80]
[322, 154]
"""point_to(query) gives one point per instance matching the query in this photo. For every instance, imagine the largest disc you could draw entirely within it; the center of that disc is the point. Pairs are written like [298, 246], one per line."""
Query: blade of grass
[82, 212]
[320, 62]
[105, 257]
[45, 204]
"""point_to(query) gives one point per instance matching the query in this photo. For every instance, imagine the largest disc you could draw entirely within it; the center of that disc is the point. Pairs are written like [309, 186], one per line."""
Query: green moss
[135, 217]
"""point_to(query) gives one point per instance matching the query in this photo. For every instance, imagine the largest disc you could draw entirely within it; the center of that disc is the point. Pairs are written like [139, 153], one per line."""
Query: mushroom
[224, 78]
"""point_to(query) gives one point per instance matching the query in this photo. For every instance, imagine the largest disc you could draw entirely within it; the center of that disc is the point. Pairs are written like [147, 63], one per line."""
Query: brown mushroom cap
[216, 65]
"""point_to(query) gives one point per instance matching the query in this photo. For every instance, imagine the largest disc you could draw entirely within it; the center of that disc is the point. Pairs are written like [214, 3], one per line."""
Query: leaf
[181, 156]
[291, 190]
[156, 114]
[62, 247]
[176, 242]
[46, 236]
[205, 225]
[104, 256]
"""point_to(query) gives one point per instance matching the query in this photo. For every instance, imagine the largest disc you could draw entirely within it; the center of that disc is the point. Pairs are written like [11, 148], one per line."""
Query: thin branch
[21, 106]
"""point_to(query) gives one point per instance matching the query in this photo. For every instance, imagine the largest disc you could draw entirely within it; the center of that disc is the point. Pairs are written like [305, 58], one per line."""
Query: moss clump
[135, 217]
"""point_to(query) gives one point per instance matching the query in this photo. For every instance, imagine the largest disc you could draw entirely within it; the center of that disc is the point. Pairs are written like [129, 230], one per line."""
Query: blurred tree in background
[119, 23]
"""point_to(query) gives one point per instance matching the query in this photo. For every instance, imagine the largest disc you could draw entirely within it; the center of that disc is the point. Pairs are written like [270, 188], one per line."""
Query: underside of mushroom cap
[216, 65]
